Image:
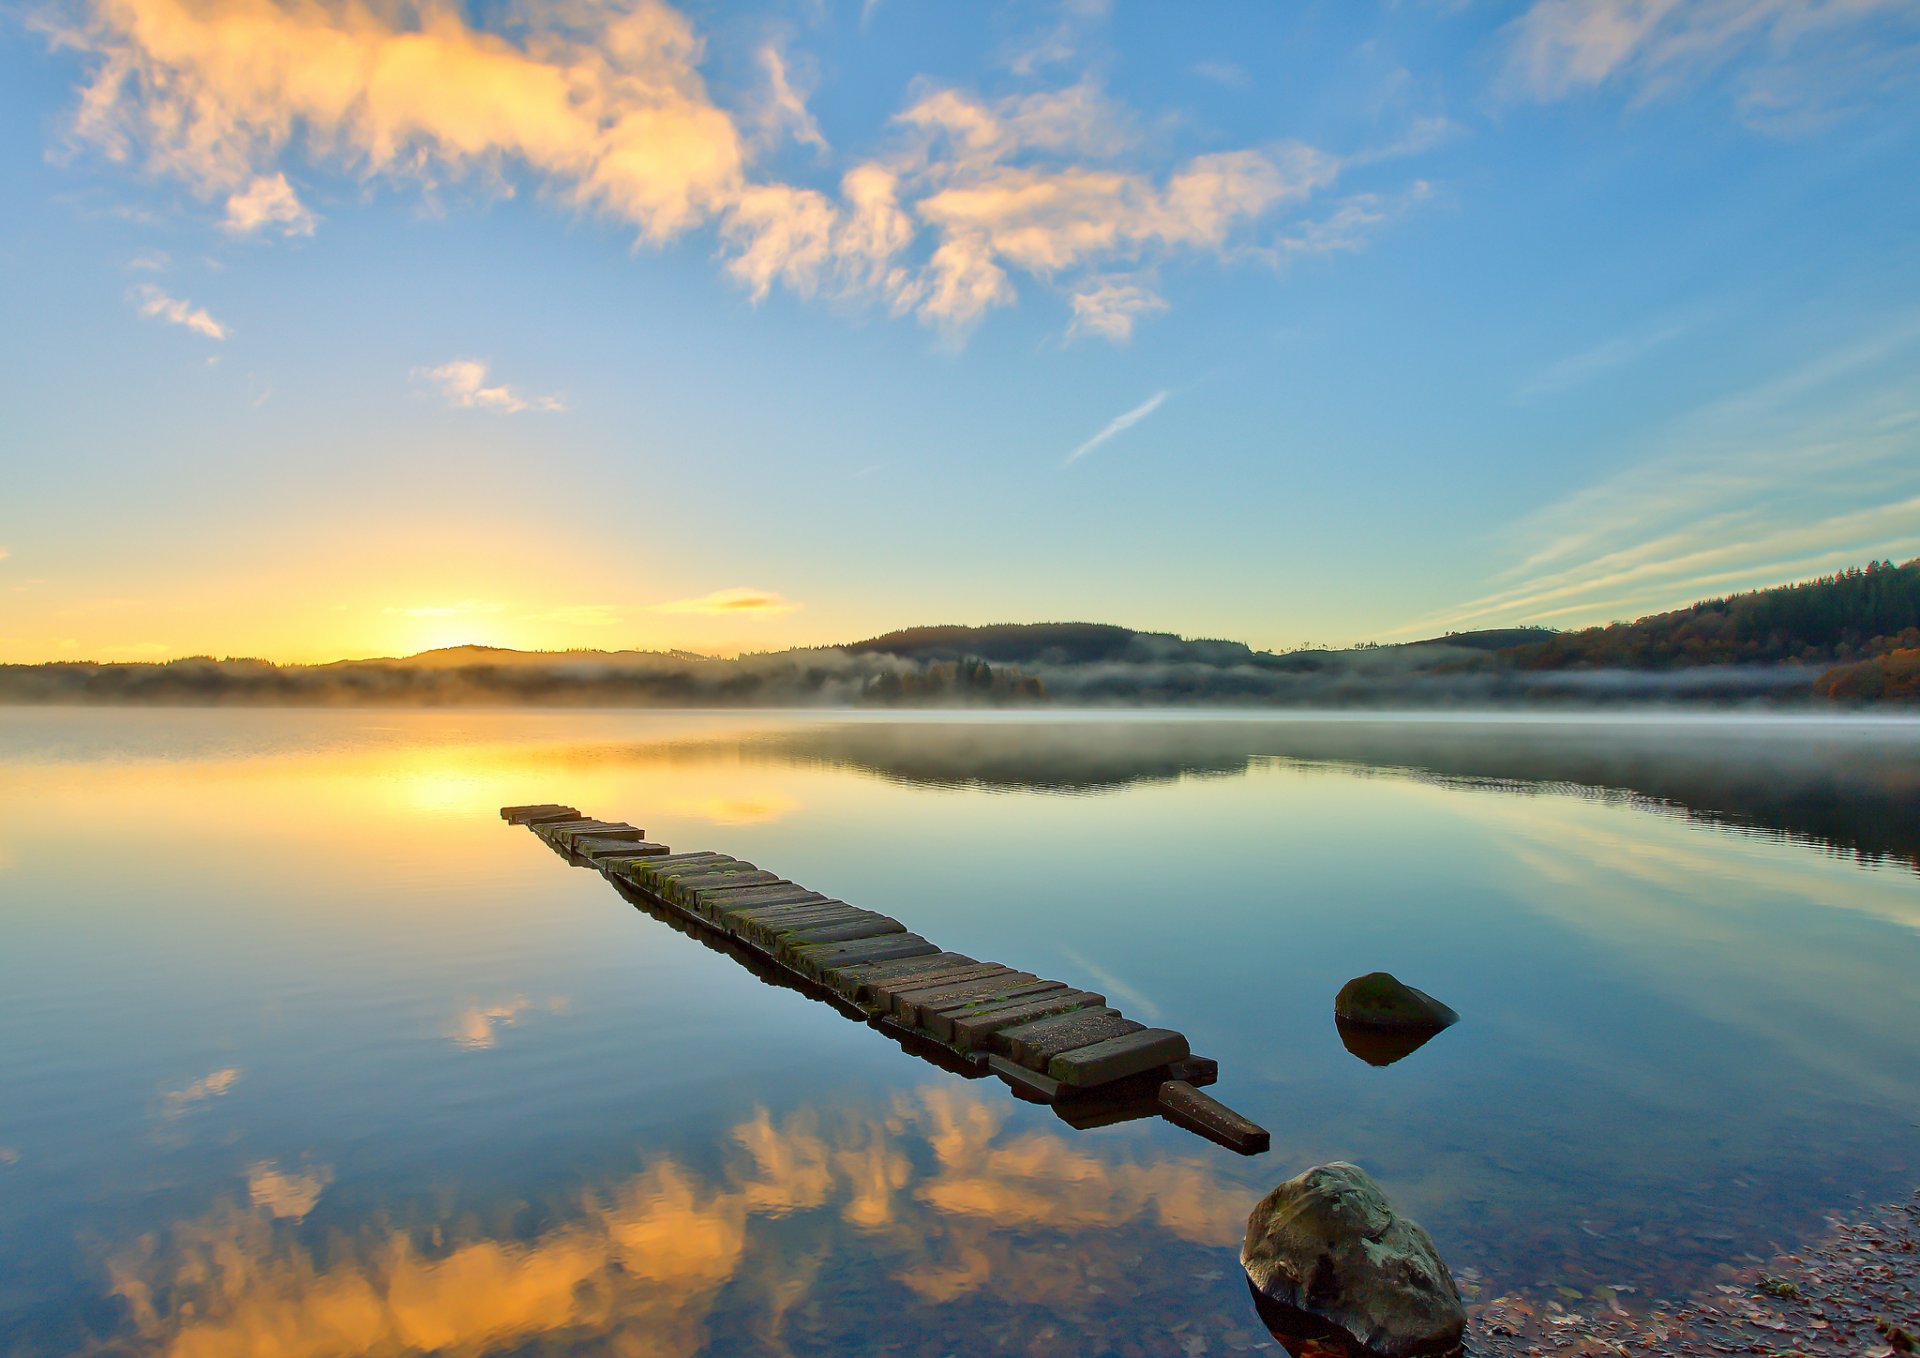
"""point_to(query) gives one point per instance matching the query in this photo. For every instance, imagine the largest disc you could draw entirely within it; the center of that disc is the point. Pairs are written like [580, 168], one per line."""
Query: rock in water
[1382, 1001]
[1329, 1244]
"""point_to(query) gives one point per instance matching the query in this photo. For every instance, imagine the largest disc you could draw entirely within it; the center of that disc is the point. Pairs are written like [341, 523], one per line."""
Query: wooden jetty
[1052, 1042]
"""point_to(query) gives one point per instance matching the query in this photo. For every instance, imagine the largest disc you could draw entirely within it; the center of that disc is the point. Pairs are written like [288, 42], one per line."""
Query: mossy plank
[881, 992]
[1118, 1057]
[1035, 1044]
[979, 1028]
[825, 956]
[940, 1021]
[852, 981]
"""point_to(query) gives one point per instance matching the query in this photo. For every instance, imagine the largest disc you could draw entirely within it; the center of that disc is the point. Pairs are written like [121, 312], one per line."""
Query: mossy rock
[1380, 1000]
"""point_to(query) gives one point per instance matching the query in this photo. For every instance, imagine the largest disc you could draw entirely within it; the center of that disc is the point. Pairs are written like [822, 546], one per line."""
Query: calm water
[304, 1052]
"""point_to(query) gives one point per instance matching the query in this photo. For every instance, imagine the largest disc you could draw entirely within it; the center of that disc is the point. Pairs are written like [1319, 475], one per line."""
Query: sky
[357, 327]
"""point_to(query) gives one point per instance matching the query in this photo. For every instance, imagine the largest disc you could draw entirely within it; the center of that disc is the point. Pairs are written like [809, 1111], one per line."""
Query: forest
[1853, 615]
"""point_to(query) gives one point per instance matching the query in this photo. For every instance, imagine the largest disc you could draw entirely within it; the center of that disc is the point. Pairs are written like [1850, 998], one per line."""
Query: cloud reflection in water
[945, 1204]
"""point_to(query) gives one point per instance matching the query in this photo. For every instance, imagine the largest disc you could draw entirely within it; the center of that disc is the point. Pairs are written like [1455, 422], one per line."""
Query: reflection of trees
[1849, 788]
[908, 1214]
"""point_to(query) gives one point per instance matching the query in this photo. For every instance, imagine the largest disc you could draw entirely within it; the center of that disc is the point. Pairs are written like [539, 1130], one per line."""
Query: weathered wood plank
[1035, 1044]
[1212, 1119]
[980, 1029]
[852, 980]
[844, 932]
[1117, 1058]
[910, 1005]
[939, 1021]
[684, 889]
[881, 992]
[595, 849]
[825, 956]
[526, 815]
[1029, 1082]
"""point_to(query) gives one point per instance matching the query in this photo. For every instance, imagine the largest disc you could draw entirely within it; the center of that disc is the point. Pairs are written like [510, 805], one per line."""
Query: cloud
[1777, 52]
[477, 1027]
[750, 603]
[1119, 424]
[1106, 307]
[1577, 369]
[177, 1101]
[155, 303]
[784, 112]
[269, 200]
[285, 1195]
[605, 109]
[1813, 470]
[943, 1195]
[463, 383]
[1226, 74]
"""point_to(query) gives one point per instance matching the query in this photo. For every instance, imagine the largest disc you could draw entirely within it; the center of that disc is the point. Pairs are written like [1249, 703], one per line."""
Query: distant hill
[1853, 637]
[1054, 643]
[1854, 615]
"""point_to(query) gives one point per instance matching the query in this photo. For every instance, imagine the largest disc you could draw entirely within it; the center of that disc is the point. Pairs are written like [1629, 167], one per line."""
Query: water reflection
[903, 1214]
[1848, 786]
[1382, 1046]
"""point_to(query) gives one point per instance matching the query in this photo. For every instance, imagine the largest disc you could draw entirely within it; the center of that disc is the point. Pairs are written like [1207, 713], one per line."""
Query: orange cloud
[640, 1268]
[606, 107]
[729, 603]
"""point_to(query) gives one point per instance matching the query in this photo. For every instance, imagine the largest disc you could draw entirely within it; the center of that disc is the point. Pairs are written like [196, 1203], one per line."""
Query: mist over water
[308, 1053]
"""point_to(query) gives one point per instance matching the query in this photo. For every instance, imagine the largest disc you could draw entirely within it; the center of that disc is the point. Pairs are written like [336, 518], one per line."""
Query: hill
[1854, 615]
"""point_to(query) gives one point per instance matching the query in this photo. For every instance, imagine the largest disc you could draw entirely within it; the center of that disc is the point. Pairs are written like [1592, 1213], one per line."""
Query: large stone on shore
[1381, 1000]
[1328, 1243]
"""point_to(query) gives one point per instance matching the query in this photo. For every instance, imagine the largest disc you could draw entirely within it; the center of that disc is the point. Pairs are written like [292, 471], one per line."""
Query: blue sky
[344, 329]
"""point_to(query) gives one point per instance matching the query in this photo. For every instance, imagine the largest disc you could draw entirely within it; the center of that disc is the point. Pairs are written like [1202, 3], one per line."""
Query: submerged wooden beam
[1051, 1042]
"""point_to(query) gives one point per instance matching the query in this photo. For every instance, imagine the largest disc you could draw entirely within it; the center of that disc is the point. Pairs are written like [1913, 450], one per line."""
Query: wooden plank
[971, 1031]
[681, 865]
[825, 956]
[547, 829]
[881, 992]
[526, 815]
[1029, 1082]
[774, 927]
[939, 1021]
[1035, 1044]
[566, 836]
[852, 981]
[1117, 1058]
[1188, 1107]
[871, 927]
[732, 897]
[685, 888]
[596, 849]
[825, 915]
[763, 902]
[907, 1004]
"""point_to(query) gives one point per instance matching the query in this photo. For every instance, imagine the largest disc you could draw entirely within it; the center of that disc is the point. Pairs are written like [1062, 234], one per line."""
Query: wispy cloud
[1816, 469]
[783, 110]
[1106, 307]
[1577, 369]
[1118, 425]
[177, 1101]
[269, 200]
[1778, 54]
[734, 603]
[463, 383]
[175, 311]
[1226, 74]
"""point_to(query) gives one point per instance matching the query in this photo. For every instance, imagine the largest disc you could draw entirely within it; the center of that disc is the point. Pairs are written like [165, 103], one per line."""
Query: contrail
[1119, 424]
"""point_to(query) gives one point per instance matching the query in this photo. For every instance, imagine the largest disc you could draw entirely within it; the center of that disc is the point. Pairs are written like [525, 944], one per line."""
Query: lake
[305, 1052]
